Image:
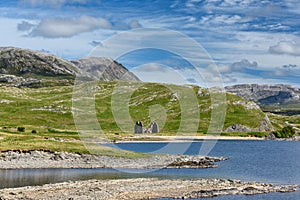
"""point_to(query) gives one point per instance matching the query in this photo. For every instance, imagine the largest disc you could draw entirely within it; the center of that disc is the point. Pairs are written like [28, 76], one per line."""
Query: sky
[246, 41]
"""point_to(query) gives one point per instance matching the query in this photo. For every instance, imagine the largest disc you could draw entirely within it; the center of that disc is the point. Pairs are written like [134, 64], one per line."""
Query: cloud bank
[55, 3]
[25, 26]
[285, 47]
[68, 27]
[237, 66]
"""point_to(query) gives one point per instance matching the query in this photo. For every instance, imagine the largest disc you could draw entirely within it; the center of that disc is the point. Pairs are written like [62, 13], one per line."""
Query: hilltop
[28, 68]
[105, 69]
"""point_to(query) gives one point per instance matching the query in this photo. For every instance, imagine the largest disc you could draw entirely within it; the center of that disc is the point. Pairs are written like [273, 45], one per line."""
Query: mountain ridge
[29, 68]
[105, 69]
[266, 95]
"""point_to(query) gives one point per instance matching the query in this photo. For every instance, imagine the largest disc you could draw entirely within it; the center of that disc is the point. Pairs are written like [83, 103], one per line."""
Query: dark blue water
[275, 162]
[264, 161]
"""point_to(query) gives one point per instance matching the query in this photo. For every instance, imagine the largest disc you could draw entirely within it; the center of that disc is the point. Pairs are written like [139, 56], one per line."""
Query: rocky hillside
[28, 68]
[105, 69]
[15, 61]
[266, 95]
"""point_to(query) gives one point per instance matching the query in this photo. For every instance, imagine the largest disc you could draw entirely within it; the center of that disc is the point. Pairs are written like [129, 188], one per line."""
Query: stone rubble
[141, 188]
[46, 159]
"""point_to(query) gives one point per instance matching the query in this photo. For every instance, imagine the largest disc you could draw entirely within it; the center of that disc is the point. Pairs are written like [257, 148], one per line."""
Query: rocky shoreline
[141, 188]
[122, 189]
[47, 159]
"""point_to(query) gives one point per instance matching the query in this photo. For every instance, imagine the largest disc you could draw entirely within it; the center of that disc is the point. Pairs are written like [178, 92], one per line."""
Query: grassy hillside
[145, 99]
[280, 121]
[44, 109]
[46, 114]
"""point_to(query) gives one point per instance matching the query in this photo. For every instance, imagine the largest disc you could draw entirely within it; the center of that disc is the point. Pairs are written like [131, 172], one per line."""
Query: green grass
[280, 121]
[149, 95]
[238, 114]
[44, 141]
[48, 111]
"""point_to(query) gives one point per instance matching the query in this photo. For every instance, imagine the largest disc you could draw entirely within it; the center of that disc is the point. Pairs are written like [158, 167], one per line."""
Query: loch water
[263, 161]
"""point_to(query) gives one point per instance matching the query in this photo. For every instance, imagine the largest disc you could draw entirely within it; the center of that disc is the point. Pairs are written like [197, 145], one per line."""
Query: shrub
[33, 131]
[21, 129]
[285, 132]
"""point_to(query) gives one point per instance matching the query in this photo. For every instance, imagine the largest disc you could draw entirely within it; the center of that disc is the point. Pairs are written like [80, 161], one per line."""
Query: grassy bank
[56, 141]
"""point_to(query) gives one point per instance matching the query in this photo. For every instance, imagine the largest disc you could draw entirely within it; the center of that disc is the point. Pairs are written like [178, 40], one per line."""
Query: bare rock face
[266, 94]
[105, 69]
[28, 68]
[22, 62]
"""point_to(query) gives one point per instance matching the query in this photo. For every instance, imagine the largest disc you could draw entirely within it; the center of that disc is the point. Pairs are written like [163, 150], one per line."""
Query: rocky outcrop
[105, 69]
[142, 188]
[47, 159]
[265, 126]
[266, 94]
[237, 128]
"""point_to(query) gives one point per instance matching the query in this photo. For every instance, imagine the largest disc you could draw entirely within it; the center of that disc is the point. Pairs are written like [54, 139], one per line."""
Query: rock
[142, 188]
[105, 69]
[266, 94]
[270, 136]
[47, 159]
[265, 126]
[237, 128]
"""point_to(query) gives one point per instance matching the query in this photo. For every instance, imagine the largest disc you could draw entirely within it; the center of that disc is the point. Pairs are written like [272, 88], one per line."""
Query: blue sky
[250, 41]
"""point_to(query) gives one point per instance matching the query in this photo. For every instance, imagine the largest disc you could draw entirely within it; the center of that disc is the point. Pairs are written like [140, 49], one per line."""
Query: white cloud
[68, 48]
[287, 70]
[285, 47]
[25, 26]
[135, 24]
[55, 3]
[243, 64]
[237, 66]
[222, 19]
[243, 78]
[290, 70]
[229, 79]
[154, 72]
[152, 67]
[68, 27]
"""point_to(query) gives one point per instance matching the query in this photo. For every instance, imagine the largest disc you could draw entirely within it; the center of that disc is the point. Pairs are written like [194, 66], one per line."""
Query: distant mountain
[267, 95]
[105, 69]
[28, 68]
[23, 62]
